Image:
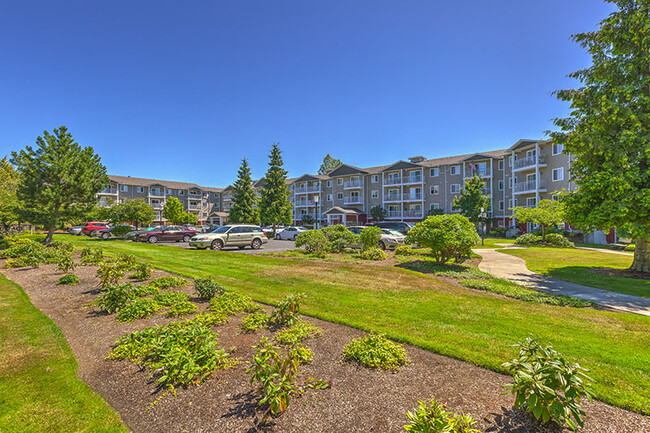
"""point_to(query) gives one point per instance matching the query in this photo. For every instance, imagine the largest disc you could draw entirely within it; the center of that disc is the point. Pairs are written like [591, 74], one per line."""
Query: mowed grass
[39, 388]
[492, 243]
[573, 265]
[417, 309]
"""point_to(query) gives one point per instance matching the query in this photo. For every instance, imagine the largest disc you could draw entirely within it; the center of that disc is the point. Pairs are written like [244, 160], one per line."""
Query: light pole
[316, 199]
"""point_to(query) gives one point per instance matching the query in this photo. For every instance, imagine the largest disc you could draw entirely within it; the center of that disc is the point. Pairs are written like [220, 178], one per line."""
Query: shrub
[547, 385]
[298, 332]
[338, 238]
[69, 279]
[448, 236]
[142, 272]
[434, 418]
[182, 309]
[287, 311]
[170, 298]
[120, 231]
[373, 254]
[558, 240]
[207, 288]
[114, 297]
[376, 351]
[61, 246]
[314, 241]
[168, 282]
[145, 290]
[498, 232]
[369, 238]
[210, 319]
[127, 262]
[65, 263]
[232, 303]
[255, 321]
[630, 247]
[404, 250]
[26, 252]
[303, 354]
[528, 239]
[138, 309]
[92, 256]
[109, 273]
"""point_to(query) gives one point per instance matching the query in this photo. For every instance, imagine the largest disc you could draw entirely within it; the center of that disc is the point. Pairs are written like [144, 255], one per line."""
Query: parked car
[166, 234]
[241, 236]
[268, 231]
[290, 233]
[76, 230]
[390, 239]
[90, 228]
[399, 226]
[108, 233]
[134, 234]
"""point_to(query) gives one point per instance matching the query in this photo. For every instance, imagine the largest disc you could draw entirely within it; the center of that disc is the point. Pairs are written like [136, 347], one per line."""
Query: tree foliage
[546, 213]
[608, 127]
[174, 211]
[9, 203]
[275, 207]
[378, 213]
[448, 236]
[136, 211]
[59, 180]
[244, 198]
[329, 164]
[472, 202]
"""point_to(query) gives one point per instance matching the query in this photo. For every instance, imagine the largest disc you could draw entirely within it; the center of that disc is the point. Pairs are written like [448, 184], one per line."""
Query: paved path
[605, 250]
[514, 269]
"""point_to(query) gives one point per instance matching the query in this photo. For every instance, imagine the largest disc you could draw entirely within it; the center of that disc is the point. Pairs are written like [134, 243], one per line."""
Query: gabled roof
[343, 210]
[458, 158]
[524, 143]
[345, 170]
[399, 165]
[141, 181]
[307, 177]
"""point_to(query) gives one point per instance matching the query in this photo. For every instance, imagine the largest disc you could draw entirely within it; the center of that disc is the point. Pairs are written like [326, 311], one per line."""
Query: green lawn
[39, 389]
[571, 264]
[411, 307]
[491, 243]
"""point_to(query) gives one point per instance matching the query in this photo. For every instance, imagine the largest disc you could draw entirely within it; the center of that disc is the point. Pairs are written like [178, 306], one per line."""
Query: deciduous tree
[244, 197]
[472, 203]
[275, 207]
[378, 213]
[174, 211]
[546, 213]
[136, 211]
[8, 198]
[329, 164]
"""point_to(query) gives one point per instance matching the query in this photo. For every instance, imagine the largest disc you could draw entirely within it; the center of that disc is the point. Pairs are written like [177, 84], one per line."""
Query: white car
[290, 233]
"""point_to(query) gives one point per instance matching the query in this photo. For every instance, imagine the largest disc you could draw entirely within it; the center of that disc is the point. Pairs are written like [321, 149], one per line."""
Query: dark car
[167, 234]
[90, 228]
[399, 226]
[110, 232]
[135, 233]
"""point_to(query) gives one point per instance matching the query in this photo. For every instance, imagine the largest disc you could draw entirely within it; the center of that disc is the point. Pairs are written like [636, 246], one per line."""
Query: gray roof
[141, 181]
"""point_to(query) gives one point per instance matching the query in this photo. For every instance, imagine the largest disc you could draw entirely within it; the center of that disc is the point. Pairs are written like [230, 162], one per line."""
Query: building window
[501, 224]
[500, 185]
[531, 202]
[329, 183]
[510, 161]
[434, 172]
[140, 189]
[374, 194]
[339, 196]
[374, 178]
[557, 149]
[124, 188]
[434, 189]
[513, 202]
[501, 165]
[455, 188]
[181, 192]
[339, 181]
[501, 205]
[168, 191]
[558, 174]
[434, 206]
[329, 197]
[454, 169]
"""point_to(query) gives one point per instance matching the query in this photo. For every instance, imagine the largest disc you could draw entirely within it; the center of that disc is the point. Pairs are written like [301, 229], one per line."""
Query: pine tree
[244, 198]
[329, 164]
[275, 207]
[9, 203]
[58, 181]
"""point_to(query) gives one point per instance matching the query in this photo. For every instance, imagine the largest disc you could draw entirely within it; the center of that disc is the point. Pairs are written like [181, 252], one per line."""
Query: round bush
[339, 238]
[404, 250]
[69, 280]
[369, 237]
[121, 231]
[448, 236]
[630, 247]
[314, 241]
[558, 240]
[376, 351]
[528, 239]
[373, 254]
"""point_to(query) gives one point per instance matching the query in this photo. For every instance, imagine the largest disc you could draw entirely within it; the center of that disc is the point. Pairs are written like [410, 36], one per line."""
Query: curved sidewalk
[513, 268]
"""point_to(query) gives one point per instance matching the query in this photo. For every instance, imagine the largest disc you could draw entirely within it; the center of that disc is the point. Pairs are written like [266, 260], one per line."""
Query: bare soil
[359, 400]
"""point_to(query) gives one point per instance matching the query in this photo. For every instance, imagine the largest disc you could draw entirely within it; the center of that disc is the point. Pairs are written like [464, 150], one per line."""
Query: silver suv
[241, 236]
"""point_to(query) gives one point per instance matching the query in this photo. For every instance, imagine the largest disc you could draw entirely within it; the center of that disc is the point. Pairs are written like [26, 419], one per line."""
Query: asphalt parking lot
[271, 246]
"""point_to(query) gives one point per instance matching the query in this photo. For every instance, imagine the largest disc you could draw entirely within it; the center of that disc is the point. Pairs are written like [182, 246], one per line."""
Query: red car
[91, 227]
[167, 234]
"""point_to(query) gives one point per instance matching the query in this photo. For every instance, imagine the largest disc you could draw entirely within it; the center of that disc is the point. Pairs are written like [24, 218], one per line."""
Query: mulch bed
[359, 400]
[621, 273]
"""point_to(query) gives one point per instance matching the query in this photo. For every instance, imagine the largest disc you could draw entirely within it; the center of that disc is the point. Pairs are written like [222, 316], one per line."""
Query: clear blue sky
[184, 90]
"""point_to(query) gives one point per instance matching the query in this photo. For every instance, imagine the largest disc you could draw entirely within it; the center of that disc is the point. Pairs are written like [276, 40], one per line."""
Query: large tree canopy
[59, 180]
[607, 131]
[472, 203]
[244, 197]
[546, 213]
[275, 207]
[329, 164]
[136, 211]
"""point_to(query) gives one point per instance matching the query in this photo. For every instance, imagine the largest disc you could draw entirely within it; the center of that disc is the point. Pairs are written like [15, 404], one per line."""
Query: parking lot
[271, 246]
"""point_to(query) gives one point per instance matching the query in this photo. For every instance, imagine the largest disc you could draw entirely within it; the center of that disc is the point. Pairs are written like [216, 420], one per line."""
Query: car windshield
[394, 233]
[222, 229]
[151, 229]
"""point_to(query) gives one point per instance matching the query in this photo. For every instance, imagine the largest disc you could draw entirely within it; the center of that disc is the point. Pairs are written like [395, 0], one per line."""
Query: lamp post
[316, 199]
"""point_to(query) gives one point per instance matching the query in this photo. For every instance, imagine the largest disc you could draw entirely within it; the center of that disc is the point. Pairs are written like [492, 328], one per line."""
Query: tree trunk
[641, 261]
[543, 232]
[50, 233]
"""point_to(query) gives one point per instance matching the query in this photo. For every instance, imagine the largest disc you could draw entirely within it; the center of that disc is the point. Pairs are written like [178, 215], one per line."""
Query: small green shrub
[182, 309]
[207, 288]
[109, 273]
[128, 262]
[287, 311]
[92, 256]
[630, 247]
[547, 385]
[69, 280]
[376, 351]
[303, 354]
[448, 236]
[498, 232]
[339, 238]
[210, 319]
[254, 321]
[369, 237]
[65, 263]
[61, 246]
[167, 299]
[434, 418]
[232, 303]
[27, 253]
[314, 241]
[558, 240]
[145, 290]
[168, 282]
[298, 332]
[373, 254]
[114, 297]
[138, 309]
[528, 239]
[142, 272]
[404, 250]
[121, 231]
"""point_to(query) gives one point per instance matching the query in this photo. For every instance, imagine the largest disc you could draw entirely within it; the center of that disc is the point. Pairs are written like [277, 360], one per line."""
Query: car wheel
[294, 237]
[187, 238]
[152, 239]
[256, 244]
[381, 245]
[216, 244]
[105, 236]
[92, 233]
[277, 237]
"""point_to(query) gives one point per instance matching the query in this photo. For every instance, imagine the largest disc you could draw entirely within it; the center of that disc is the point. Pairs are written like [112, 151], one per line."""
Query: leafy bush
[114, 297]
[109, 273]
[369, 238]
[170, 298]
[558, 240]
[180, 353]
[26, 252]
[287, 311]
[232, 303]
[65, 263]
[434, 418]
[69, 279]
[168, 282]
[303, 354]
[376, 351]
[182, 309]
[630, 247]
[498, 232]
[339, 237]
[373, 254]
[528, 239]
[120, 231]
[255, 321]
[516, 291]
[60, 245]
[207, 288]
[404, 250]
[142, 272]
[127, 262]
[92, 256]
[547, 385]
[314, 241]
[210, 319]
[448, 236]
[138, 309]
[298, 332]
[145, 290]
[22, 262]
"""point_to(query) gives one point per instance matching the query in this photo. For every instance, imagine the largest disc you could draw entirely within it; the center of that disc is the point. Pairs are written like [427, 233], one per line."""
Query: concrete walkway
[605, 250]
[514, 269]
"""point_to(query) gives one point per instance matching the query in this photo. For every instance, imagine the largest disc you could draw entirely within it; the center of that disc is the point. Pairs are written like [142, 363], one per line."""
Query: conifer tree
[329, 164]
[9, 203]
[275, 207]
[244, 198]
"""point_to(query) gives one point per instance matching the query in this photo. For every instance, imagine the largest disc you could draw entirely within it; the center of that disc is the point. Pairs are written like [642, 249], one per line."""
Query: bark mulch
[359, 400]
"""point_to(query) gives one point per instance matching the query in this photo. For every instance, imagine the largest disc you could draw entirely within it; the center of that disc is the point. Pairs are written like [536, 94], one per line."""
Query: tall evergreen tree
[329, 164]
[275, 207]
[58, 181]
[9, 203]
[244, 197]
[607, 131]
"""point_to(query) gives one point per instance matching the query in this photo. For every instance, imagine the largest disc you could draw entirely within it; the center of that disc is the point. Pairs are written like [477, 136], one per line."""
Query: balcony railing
[394, 214]
[353, 184]
[109, 190]
[227, 197]
[480, 172]
[299, 203]
[529, 186]
[194, 194]
[530, 161]
[311, 215]
[194, 207]
[412, 196]
[412, 214]
[305, 190]
[392, 197]
[157, 206]
[352, 200]
[393, 181]
[412, 179]
[156, 193]
[403, 180]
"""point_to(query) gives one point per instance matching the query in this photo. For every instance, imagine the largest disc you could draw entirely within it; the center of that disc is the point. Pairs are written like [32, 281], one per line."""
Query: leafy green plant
[122, 230]
[182, 309]
[516, 291]
[339, 238]
[142, 272]
[210, 319]
[127, 262]
[232, 303]
[287, 311]
[376, 351]
[558, 240]
[314, 241]
[433, 417]
[92, 256]
[630, 247]
[547, 385]
[114, 297]
[168, 282]
[170, 298]
[109, 273]
[61, 246]
[369, 237]
[137, 309]
[207, 288]
[404, 250]
[373, 253]
[299, 331]
[145, 290]
[302, 354]
[448, 236]
[27, 253]
[254, 321]
[528, 239]
[69, 279]
[65, 263]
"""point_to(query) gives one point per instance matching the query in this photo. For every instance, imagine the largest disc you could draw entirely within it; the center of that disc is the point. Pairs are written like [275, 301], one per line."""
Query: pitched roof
[141, 181]
[343, 210]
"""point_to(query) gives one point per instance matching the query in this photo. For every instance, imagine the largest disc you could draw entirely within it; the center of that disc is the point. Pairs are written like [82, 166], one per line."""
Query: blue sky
[184, 90]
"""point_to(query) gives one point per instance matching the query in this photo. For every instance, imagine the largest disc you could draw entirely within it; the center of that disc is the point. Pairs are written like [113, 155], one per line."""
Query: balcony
[412, 214]
[412, 179]
[227, 197]
[354, 199]
[156, 193]
[194, 207]
[480, 172]
[157, 206]
[530, 186]
[300, 216]
[307, 190]
[301, 190]
[529, 162]
[353, 184]
[413, 196]
[393, 181]
[300, 203]
[109, 190]
[394, 214]
[392, 197]
[194, 195]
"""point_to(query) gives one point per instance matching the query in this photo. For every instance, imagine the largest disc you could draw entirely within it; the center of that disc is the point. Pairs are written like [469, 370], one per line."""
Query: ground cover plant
[137, 309]
[69, 280]
[170, 298]
[168, 282]
[91, 256]
[254, 321]
[65, 263]
[298, 332]
[414, 308]
[232, 303]
[141, 272]
[207, 288]
[376, 351]
[552, 240]
[404, 250]
[433, 417]
[287, 311]
[373, 253]
[115, 296]
[182, 309]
